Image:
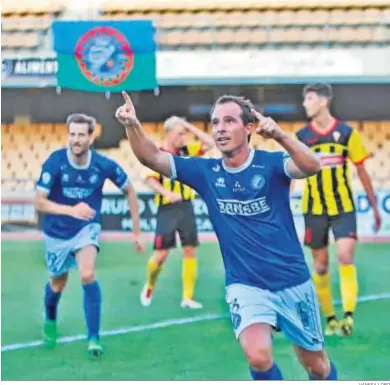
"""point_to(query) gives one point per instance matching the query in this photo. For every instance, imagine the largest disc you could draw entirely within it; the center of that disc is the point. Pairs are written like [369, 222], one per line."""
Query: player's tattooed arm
[80, 211]
[302, 162]
[144, 149]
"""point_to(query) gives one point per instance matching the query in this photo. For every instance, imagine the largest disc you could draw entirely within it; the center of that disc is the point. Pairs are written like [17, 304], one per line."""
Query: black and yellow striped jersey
[193, 149]
[330, 191]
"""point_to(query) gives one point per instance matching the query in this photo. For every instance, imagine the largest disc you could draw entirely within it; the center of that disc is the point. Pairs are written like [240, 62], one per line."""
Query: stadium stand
[25, 24]
[259, 23]
[26, 29]
[25, 147]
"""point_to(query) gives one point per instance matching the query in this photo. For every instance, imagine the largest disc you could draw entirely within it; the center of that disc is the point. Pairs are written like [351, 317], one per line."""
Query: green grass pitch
[204, 350]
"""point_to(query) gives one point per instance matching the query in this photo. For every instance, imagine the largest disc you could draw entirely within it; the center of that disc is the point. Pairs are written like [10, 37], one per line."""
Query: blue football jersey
[250, 211]
[68, 184]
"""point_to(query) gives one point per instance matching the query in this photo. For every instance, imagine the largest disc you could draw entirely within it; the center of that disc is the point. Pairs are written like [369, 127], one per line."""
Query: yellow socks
[349, 287]
[324, 293]
[153, 272]
[189, 277]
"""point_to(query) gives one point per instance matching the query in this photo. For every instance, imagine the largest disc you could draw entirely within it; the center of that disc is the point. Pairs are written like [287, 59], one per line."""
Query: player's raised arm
[206, 140]
[144, 148]
[303, 162]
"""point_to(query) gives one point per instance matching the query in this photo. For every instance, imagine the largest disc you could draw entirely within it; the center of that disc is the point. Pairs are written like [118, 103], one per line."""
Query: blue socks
[273, 373]
[51, 302]
[332, 374]
[92, 306]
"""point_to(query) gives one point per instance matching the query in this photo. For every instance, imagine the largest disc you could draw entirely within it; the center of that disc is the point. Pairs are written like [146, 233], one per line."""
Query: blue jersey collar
[76, 166]
[244, 166]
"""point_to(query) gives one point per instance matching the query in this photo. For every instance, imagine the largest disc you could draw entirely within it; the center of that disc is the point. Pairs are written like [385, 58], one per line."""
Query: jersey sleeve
[148, 173]
[279, 161]
[188, 171]
[117, 175]
[49, 174]
[195, 149]
[357, 152]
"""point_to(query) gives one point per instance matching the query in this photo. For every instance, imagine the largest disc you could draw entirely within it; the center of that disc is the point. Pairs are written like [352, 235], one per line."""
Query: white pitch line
[157, 325]
[131, 329]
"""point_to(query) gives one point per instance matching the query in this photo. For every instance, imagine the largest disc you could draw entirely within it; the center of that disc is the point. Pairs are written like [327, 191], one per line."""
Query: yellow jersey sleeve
[195, 149]
[150, 174]
[357, 152]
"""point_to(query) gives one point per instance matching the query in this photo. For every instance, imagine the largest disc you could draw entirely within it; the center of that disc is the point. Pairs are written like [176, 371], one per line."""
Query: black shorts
[177, 217]
[317, 228]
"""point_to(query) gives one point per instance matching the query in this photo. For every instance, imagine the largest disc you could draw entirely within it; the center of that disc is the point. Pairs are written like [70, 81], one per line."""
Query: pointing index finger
[127, 98]
[258, 116]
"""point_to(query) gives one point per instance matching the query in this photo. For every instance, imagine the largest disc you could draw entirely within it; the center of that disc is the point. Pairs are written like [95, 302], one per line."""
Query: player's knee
[160, 256]
[58, 283]
[189, 252]
[345, 257]
[321, 267]
[58, 287]
[87, 276]
[345, 251]
[321, 261]
[260, 359]
[319, 368]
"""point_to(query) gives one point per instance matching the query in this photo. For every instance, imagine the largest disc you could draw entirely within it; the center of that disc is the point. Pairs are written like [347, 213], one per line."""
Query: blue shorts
[294, 310]
[60, 253]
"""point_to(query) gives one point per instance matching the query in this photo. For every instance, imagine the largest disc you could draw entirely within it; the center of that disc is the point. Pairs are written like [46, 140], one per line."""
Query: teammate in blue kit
[247, 194]
[69, 192]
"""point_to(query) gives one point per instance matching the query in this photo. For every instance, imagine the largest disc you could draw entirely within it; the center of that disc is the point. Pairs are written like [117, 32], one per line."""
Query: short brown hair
[82, 118]
[245, 105]
[321, 89]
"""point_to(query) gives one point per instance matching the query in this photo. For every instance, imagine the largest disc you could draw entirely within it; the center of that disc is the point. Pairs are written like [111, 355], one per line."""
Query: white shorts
[60, 253]
[294, 310]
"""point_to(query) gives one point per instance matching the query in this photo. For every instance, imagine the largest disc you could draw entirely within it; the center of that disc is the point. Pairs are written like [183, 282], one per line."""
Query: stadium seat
[28, 23]
[174, 38]
[267, 18]
[385, 16]
[313, 35]
[337, 17]
[242, 36]
[193, 20]
[19, 40]
[224, 36]
[353, 17]
[258, 36]
[381, 34]
[363, 34]
[372, 16]
[12, 7]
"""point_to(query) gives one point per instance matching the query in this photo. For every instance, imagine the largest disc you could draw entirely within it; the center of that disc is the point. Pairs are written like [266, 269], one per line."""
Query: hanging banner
[105, 56]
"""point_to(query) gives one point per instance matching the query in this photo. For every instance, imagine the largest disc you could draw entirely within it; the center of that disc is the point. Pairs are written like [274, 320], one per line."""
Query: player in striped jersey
[175, 213]
[328, 202]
